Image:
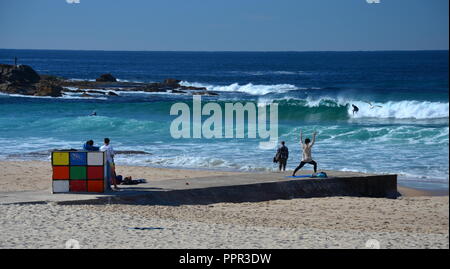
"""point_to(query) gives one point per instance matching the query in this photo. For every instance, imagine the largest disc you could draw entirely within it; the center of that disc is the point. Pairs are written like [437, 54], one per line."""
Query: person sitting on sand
[89, 146]
[282, 156]
[307, 157]
[110, 162]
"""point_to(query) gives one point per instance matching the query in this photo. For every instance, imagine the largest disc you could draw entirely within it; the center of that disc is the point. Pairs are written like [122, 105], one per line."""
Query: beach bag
[276, 158]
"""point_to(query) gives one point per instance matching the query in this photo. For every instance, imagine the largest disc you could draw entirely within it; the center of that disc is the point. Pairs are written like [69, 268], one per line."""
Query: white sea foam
[401, 110]
[247, 88]
[270, 72]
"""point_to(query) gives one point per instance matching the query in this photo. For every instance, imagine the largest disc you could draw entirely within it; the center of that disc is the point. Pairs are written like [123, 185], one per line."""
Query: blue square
[78, 158]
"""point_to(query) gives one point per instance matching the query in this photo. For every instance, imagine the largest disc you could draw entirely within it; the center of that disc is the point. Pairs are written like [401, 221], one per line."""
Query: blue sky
[211, 25]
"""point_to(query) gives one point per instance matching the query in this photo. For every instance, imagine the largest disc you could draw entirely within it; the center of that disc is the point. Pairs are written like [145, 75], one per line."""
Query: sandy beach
[416, 220]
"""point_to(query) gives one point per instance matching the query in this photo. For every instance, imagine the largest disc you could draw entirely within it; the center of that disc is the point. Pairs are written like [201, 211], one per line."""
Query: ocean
[405, 132]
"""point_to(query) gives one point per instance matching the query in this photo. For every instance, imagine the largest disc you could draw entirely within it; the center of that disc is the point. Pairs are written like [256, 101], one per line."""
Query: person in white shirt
[307, 157]
[110, 162]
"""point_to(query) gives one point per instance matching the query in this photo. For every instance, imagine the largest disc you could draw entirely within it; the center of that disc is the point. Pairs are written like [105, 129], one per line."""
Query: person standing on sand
[307, 157]
[282, 156]
[110, 163]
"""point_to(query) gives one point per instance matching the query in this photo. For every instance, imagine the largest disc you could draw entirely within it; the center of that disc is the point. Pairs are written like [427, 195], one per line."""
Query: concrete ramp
[245, 187]
[228, 189]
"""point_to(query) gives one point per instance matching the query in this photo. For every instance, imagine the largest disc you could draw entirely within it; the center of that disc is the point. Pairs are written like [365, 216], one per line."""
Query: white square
[60, 186]
[95, 158]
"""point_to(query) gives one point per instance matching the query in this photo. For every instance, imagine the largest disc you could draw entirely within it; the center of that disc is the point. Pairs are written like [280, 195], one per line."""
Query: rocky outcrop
[172, 82]
[112, 93]
[45, 88]
[18, 75]
[24, 80]
[106, 78]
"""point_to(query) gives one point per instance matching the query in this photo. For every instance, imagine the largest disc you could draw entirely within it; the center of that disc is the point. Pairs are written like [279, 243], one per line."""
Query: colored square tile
[95, 172]
[95, 158]
[60, 186]
[78, 185]
[60, 158]
[95, 186]
[61, 172]
[78, 158]
[78, 172]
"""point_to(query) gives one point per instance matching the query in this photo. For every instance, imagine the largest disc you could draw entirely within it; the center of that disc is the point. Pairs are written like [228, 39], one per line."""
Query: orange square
[95, 186]
[61, 172]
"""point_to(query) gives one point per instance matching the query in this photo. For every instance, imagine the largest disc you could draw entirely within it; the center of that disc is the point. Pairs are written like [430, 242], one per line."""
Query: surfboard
[302, 176]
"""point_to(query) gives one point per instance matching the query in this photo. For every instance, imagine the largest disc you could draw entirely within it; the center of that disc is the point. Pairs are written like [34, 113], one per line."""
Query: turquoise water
[407, 132]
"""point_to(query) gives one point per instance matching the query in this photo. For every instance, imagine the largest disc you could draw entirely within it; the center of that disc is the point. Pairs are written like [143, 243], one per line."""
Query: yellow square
[60, 158]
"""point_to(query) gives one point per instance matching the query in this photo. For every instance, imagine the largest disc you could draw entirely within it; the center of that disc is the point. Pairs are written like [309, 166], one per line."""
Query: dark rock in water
[85, 91]
[168, 85]
[86, 95]
[14, 88]
[24, 80]
[177, 91]
[74, 91]
[94, 91]
[154, 87]
[192, 88]
[51, 78]
[106, 78]
[205, 93]
[19, 75]
[172, 82]
[71, 149]
[129, 152]
[48, 89]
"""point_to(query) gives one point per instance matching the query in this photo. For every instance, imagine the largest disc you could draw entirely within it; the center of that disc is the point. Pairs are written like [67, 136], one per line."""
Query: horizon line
[100, 50]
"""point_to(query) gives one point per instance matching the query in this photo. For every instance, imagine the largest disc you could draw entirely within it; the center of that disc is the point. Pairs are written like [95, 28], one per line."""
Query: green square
[78, 172]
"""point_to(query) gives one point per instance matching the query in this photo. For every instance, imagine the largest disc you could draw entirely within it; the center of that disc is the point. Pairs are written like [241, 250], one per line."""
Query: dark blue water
[406, 132]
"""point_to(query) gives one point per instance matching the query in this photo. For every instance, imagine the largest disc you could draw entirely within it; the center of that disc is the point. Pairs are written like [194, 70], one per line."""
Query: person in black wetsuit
[355, 109]
[282, 156]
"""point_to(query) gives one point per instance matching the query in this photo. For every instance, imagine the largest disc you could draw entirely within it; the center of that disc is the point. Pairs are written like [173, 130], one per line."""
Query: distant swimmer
[372, 106]
[355, 109]
[93, 113]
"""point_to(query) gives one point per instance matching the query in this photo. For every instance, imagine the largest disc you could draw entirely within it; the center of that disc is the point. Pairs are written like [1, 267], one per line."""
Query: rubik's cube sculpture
[78, 171]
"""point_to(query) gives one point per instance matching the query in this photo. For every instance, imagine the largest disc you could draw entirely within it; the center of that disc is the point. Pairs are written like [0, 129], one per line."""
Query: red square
[95, 172]
[78, 185]
[61, 172]
[95, 186]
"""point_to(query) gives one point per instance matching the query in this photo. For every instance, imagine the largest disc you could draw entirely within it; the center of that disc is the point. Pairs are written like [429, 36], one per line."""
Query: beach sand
[415, 220]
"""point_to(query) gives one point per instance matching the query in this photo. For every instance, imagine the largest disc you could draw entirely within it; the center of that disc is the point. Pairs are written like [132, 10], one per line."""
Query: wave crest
[249, 88]
[332, 109]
